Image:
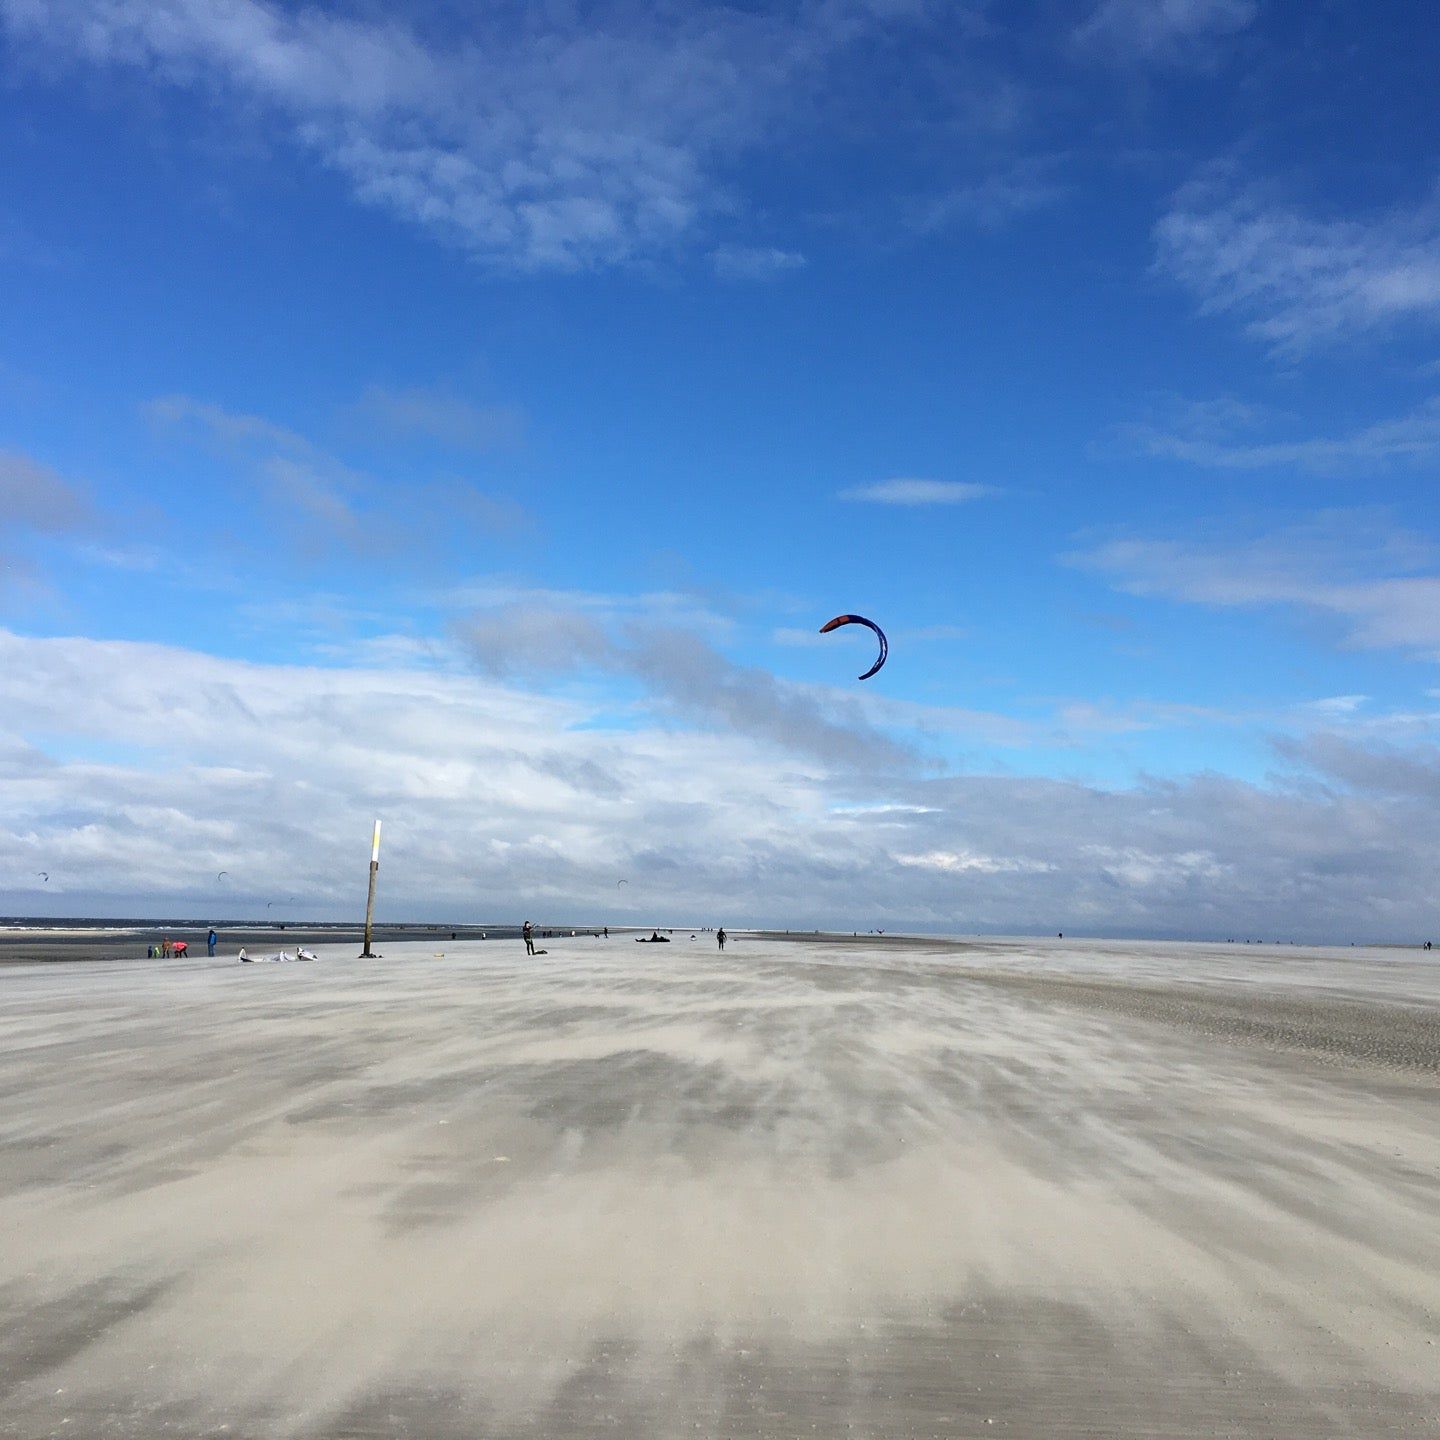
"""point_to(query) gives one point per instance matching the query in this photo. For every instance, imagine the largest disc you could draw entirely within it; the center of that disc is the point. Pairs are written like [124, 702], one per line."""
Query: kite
[44, 875]
[840, 620]
[222, 875]
[619, 883]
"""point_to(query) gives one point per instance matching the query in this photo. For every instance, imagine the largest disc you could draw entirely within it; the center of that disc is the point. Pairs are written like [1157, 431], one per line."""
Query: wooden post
[367, 953]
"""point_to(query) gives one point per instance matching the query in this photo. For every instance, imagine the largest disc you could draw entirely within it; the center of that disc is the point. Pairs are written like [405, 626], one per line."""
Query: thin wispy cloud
[540, 138]
[1381, 588]
[1297, 281]
[1162, 32]
[440, 415]
[910, 491]
[333, 506]
[202, 418]
[743, 262]
[992, 201]
[1406, 438]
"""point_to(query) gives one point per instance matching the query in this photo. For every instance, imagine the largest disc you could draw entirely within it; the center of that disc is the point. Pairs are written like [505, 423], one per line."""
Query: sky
[467, 415]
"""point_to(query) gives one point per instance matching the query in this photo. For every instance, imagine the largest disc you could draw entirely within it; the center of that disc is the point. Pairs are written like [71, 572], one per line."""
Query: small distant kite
[840, 620]
[619, 883]
[44, 875]
[222, 874]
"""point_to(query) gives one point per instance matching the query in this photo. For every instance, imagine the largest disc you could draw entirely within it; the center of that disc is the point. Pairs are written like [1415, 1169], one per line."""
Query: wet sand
[809, 1187]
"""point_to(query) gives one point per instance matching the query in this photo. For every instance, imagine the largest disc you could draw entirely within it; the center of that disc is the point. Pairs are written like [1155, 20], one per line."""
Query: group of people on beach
[169, 949]
[527, 934]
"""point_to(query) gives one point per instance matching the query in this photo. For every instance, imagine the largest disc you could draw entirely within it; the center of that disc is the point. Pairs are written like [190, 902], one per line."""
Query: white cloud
[501, 801]
[1340, 705]
[960, 862]
[1297, 281]
[1162, 32]
[903, 491]
[539, 137]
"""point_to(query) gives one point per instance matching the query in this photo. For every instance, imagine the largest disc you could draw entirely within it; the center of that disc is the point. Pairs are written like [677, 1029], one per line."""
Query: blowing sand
[804, 1188]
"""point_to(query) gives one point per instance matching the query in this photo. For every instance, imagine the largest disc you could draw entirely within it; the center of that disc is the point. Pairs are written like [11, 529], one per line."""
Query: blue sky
[497, 399]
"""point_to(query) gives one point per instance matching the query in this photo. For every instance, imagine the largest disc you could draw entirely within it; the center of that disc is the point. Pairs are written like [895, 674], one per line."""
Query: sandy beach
[807, 1187]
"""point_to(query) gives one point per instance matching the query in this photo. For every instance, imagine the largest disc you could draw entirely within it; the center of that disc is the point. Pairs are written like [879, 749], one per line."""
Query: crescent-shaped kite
[222, 874]
[619, 883]
[44, 875]
[840, 620]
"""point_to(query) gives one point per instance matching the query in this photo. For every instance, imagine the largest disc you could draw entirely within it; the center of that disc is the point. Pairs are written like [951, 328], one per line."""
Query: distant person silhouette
[210, 940]
[720, 938]
[527, 934]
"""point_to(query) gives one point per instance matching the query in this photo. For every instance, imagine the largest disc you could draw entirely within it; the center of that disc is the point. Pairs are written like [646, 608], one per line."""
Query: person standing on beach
[720, 937]
[527, 934]
[211, 940]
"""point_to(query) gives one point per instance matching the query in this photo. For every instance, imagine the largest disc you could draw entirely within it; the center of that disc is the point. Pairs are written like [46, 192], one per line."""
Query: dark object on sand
[840, 620]
[654, 938]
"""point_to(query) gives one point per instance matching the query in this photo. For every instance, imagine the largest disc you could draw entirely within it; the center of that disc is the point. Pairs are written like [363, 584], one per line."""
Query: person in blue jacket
[211, 940]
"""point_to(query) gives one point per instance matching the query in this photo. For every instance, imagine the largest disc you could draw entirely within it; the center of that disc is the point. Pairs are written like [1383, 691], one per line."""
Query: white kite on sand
[283, 958]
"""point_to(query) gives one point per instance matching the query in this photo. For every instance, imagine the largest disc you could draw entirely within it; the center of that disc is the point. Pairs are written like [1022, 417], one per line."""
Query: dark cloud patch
[1409, 774]
[687, 678]
[37, 503]
[535, 642]
[35, 498]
